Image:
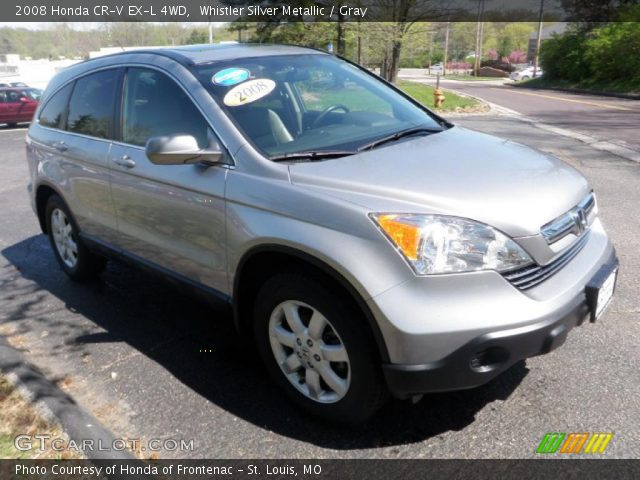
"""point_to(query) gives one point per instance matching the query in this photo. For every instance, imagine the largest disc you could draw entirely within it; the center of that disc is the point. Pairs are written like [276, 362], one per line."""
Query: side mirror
[180, 150]
[24, 100]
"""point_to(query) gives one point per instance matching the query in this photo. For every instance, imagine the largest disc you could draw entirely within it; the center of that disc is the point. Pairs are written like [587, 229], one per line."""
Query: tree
[196, 37]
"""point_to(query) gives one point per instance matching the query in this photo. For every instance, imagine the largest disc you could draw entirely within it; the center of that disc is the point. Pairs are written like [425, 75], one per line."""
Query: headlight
[440, 244]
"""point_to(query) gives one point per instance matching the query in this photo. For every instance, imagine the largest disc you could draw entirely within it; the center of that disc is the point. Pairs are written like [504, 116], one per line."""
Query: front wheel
[72, 255]
[318, 349]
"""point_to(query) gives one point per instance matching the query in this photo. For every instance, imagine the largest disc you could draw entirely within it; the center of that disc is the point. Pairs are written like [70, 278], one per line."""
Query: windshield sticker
[249, 92]
[230, 76]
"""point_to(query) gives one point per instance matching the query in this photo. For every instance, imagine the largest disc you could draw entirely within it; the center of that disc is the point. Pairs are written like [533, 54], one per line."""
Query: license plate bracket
[599, 291]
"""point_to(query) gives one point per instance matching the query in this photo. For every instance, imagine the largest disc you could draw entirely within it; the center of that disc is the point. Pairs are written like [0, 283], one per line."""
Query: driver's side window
[154, 105]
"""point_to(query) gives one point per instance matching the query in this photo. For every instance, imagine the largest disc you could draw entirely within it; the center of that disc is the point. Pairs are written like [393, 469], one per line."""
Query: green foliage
[608, 53]
[196, 37]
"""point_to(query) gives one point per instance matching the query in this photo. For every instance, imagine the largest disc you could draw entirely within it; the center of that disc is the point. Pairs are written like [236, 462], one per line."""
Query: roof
[206, 53]
[548, 32]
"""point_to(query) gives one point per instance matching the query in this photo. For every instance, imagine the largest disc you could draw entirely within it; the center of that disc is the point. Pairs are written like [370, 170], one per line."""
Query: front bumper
[483, 358]
[460, 331]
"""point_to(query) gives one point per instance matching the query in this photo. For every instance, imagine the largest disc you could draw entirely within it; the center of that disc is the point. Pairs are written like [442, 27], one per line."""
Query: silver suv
[367, 245]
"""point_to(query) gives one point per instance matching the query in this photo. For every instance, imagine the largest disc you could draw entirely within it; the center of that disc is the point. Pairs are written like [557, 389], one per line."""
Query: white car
[525, 74]
[436, 68]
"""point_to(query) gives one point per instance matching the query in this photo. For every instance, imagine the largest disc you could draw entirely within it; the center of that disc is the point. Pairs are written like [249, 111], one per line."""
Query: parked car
[525, 74]
[365, 244]
[436, 68]
[18, 105]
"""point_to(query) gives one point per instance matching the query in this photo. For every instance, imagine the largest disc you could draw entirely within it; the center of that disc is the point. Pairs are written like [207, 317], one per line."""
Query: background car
[17, 105]
[525, 74]
[436, 68]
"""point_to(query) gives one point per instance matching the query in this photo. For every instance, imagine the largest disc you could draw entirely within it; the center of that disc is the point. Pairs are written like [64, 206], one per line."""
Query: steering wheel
[327, 111]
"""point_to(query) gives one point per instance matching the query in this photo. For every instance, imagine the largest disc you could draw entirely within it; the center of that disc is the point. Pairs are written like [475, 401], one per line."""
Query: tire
[524, 79]
[345, 336]
[73, 256]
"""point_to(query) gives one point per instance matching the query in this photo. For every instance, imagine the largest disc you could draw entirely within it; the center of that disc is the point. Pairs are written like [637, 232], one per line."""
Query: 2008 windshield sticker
[248, 92]
[230, 76]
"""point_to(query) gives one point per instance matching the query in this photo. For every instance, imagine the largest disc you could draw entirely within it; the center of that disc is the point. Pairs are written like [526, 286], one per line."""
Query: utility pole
[446, 49]
[479, 31]
[210, 31]
[538, 40]
[359, 42]
[430, 49]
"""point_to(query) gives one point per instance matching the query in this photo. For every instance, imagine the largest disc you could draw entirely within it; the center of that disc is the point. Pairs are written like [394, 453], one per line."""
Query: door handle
[125, 161]
[60, 146]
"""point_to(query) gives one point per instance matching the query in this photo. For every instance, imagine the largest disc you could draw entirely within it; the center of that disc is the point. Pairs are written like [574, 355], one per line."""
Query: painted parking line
[9, 130]
[572, 100]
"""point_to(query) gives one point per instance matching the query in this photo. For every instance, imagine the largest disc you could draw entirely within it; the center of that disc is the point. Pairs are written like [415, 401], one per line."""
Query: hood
[457, 172]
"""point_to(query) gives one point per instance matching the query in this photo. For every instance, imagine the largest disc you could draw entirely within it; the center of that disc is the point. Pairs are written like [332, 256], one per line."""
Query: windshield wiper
[312, 155]
[397, 136]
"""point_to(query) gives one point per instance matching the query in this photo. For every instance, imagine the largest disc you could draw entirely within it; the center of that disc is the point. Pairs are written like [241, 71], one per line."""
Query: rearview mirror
[180, 150]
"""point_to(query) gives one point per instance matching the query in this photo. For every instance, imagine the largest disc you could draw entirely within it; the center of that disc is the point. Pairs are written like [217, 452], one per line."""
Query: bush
[607, 53]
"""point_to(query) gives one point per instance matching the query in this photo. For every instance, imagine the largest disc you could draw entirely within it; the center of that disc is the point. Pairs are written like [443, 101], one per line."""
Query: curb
[580, 91]
[55, 404]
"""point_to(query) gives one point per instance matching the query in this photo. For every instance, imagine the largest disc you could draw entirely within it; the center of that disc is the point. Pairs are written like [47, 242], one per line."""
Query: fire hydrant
[438, 96]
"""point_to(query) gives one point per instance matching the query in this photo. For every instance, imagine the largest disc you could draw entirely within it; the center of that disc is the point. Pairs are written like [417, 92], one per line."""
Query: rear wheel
[317, 348]
[72, 255]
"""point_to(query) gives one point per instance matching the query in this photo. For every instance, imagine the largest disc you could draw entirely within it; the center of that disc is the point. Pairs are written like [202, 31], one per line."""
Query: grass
[630, 86]
[18, 417]
[358, 99]
[453, 102]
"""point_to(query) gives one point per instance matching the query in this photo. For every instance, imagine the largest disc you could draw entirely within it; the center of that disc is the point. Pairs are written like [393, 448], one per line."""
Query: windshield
[294, 104]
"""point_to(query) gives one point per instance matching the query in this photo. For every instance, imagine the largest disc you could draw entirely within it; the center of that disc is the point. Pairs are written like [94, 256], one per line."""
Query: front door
[172, 216]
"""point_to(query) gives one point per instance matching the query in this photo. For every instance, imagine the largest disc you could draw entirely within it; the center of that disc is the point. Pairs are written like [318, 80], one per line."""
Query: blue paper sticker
[230, 76]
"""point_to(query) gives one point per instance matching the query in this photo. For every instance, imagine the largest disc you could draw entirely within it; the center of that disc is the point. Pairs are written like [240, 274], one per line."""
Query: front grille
[575, 221]
[531, 275]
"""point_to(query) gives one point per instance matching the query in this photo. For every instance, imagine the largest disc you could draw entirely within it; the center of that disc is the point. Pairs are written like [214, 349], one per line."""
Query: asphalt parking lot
[131, 349]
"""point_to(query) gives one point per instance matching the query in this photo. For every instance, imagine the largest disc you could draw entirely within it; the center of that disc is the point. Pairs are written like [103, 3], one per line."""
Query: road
[131, 349]
[605, 118]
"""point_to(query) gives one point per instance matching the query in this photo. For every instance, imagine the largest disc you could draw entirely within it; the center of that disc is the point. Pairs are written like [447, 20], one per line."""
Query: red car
[17, 104]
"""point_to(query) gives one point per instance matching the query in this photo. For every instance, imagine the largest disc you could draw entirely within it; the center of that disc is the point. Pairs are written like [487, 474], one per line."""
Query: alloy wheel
[63, 238]
[309, 351]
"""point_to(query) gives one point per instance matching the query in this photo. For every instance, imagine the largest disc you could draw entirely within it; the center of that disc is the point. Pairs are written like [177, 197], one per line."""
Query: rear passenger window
[52, 113]
[154, 105]
[92, 104]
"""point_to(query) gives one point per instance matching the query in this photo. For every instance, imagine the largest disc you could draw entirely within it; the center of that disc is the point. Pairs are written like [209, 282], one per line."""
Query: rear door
[90, 127]
[4, 107]
[11, 110]
[71, 140]
[172, 216]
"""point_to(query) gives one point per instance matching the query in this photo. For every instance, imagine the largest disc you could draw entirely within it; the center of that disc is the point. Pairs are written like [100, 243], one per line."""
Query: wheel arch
[259, 263]
[43, 193]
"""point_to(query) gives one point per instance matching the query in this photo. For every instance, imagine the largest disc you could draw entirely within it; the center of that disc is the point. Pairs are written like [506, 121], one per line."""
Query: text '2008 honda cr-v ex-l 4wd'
[366, 245]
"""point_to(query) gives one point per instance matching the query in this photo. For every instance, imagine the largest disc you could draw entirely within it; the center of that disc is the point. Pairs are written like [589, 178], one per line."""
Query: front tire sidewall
[366, 391]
